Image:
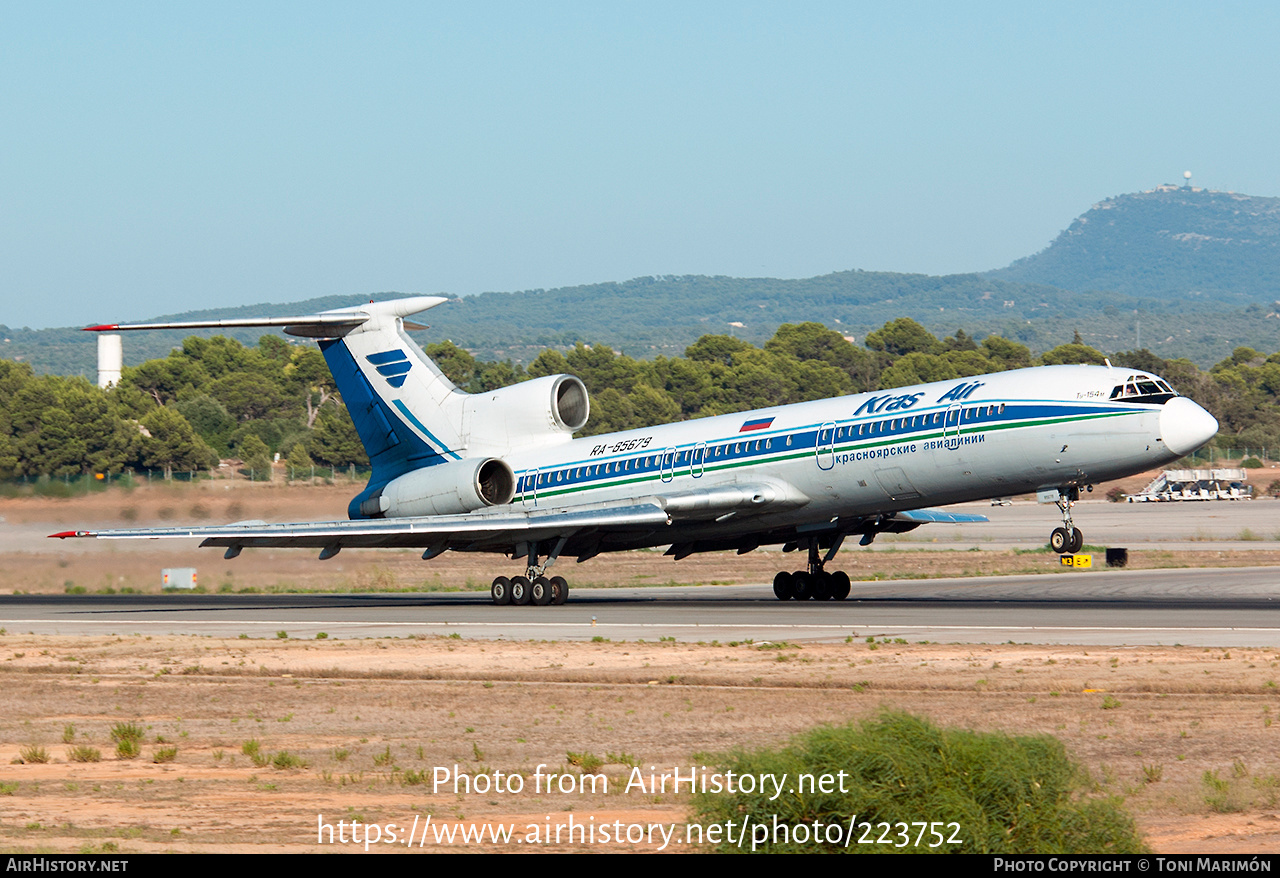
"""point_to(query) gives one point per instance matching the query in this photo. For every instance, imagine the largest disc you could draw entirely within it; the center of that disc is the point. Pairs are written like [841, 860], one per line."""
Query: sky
[162, 157]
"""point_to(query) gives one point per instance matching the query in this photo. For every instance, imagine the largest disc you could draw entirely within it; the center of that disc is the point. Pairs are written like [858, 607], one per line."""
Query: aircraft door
[530, 495]
[951, 425]
[825, 450]
[696, 459]
[668, 466]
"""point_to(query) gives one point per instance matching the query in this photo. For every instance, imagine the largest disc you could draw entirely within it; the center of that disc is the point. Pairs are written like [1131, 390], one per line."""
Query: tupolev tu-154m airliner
[501, 472]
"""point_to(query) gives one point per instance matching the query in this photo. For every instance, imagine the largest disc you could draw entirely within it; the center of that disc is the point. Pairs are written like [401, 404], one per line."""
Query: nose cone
[1184, 426]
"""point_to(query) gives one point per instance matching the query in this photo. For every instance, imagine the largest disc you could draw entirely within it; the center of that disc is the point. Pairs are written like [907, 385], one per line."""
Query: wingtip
[101, 327]
[63, 534]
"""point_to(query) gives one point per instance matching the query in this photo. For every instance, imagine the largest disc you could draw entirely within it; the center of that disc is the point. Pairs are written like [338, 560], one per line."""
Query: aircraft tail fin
[407, 413]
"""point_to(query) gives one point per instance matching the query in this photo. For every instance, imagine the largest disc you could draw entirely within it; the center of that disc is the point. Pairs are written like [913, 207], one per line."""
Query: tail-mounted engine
[544, 411]
[444, 489]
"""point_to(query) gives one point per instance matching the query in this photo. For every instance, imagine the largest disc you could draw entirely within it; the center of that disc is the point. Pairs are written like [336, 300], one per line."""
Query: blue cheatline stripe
[386, 357]
[739, 451]
[404, 410]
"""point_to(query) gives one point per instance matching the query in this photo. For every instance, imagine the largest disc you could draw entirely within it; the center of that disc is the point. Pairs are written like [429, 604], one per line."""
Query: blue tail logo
[392, 365]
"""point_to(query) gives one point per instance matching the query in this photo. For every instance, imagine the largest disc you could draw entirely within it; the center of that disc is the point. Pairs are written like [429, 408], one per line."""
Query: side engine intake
[445, 489]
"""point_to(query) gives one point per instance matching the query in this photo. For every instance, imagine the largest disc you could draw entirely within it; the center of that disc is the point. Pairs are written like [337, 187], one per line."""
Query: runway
[1201, 607]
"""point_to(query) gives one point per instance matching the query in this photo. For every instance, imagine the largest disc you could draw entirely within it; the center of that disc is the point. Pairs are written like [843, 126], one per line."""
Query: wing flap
[927, 516]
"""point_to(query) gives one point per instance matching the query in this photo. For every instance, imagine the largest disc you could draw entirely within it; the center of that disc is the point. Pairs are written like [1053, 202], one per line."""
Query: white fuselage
[931, 444]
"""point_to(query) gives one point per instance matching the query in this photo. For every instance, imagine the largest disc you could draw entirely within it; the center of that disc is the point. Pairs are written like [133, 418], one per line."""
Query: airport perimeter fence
[68, 485]
[1211, 456]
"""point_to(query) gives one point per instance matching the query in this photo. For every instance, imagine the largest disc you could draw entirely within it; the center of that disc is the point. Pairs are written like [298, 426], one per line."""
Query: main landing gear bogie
[816, 583]
[522, 591]
[820, 586]
[534, 587]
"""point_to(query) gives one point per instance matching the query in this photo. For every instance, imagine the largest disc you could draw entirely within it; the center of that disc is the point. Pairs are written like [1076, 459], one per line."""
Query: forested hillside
[1176, 244]
[648, 317]
[217, 398]
[1185, 272]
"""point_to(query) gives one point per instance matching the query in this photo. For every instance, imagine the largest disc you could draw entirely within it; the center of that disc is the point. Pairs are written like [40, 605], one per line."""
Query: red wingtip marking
[62, 535]
[101, 327]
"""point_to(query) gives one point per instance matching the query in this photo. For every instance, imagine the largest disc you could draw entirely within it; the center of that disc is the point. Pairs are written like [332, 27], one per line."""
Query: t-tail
[434, 448]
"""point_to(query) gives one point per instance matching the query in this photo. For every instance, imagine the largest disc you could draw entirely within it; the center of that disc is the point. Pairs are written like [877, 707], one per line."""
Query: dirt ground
[357, 730]
[1185, 735]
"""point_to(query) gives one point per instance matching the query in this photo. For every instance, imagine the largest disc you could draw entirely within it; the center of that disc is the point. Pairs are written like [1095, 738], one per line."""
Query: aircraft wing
[477, 531]
[502, 529]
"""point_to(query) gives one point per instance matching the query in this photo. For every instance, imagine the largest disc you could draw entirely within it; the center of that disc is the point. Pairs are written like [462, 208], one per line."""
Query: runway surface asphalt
[1203, 607]
[1209, 607]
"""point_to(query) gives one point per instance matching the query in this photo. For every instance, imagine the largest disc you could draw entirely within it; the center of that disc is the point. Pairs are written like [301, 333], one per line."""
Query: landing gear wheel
[822, 586]
[801, 585]
[783, 587]
[559, 590]
[1059, 540]
[840, 585]
[500, 591]
[1077, 541]
[540, 592]
[520, 588]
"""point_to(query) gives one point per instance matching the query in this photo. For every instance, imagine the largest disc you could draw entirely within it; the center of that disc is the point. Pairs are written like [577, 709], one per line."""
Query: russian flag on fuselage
[758, 424]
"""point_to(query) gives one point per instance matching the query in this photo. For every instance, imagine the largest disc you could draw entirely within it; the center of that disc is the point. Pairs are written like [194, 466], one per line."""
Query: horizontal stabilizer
[327, 324]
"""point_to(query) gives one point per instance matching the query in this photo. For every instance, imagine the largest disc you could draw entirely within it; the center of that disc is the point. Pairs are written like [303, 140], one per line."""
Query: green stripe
[812, 452]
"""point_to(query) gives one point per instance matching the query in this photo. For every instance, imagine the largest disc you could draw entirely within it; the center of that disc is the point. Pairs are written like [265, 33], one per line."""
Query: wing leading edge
[590, 529]
[473, 531]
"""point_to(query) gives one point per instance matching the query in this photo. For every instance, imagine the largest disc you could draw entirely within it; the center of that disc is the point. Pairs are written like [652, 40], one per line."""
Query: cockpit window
[1143, 388]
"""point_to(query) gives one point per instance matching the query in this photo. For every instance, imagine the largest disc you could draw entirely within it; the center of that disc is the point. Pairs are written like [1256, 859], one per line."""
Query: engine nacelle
[445, 489]
[543, 411]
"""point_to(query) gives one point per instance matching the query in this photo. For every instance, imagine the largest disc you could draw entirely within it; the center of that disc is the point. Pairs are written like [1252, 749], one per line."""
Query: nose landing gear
[1066, 540]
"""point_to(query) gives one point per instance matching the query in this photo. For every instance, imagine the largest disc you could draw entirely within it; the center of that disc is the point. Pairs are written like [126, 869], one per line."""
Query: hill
[1182, 271]
[1173, 244]
[658, 315]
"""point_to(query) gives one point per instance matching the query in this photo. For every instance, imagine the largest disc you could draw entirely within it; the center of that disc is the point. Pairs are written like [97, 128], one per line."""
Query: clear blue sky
[168, 156]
